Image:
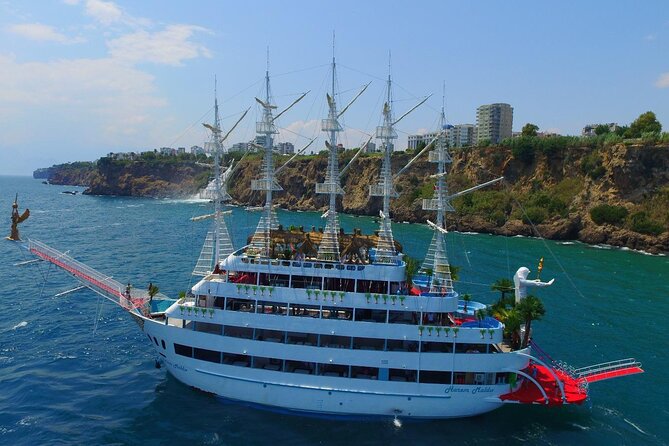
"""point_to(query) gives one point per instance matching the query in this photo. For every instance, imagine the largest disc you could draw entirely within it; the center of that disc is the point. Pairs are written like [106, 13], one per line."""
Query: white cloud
[40, 32]
[104, 12]
[170, 46]
[102, 96]
[71, 2]
[662, 81]
[650, 37]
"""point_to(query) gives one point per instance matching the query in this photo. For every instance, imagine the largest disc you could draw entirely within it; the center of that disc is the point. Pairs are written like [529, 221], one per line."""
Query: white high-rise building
[494, 122]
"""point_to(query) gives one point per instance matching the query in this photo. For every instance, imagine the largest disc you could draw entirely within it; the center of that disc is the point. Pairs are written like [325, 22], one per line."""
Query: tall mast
[218, 243]
[436, 260]
[260, 242]
[385, 250]
[329, 246]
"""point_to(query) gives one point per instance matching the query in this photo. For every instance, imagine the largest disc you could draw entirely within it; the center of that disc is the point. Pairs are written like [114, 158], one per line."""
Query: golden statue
[16, 219]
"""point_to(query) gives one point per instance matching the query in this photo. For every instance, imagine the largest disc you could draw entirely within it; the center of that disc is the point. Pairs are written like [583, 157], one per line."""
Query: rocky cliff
[552, 193]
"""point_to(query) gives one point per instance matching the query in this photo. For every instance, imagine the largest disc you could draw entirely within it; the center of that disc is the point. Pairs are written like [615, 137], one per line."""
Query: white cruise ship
[323, 322]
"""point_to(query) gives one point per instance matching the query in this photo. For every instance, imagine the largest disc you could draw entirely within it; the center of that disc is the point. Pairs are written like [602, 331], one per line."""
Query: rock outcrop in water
[550, 194]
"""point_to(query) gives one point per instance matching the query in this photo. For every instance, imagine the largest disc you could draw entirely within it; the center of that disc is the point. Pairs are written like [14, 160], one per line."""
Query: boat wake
[19, 325]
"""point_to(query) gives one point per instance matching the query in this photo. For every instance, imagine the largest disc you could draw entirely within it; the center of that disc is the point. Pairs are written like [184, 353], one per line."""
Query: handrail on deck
[607, 367]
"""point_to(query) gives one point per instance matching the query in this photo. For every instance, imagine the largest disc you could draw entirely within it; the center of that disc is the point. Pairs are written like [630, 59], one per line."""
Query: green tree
[530, 309]
[602, 129]
[529, 129]
[466, 298]
[411, 269]
[645, 123]
[504, 286]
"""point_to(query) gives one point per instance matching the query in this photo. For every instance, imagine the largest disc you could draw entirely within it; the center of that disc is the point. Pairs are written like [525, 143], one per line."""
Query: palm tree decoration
[271, 290]
[512, 323]
[341, 296]
[239, 288]
[309, 291]
[504, 286]
[410, 269]
[480, 315]
[402, 298]
[530, 309]
[316, 294]
[438, 330]
[455, 331]
[446, 330]
[466, 298]
[368, 296]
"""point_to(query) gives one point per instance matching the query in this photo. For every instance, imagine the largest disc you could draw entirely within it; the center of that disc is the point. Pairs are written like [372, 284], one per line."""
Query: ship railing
[110, 288]
[610, 366]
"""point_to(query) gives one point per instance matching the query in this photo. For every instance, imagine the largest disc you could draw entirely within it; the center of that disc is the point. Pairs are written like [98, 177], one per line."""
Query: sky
[81, 78]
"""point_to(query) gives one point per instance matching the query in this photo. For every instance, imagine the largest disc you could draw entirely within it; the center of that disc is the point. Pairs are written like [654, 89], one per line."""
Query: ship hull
[320, 395]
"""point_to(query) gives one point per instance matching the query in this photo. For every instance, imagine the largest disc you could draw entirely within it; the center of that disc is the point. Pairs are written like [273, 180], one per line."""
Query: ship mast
[218, 242]
[436, 260]
[261, 242]
[385, 249]
[329, 246]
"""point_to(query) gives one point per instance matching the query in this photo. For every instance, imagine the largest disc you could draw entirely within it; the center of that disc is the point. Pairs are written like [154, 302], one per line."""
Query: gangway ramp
[608, 370]
[95, 280]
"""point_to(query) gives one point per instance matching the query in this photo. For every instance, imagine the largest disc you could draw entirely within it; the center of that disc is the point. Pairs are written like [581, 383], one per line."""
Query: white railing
[112, 289]
[607, 367]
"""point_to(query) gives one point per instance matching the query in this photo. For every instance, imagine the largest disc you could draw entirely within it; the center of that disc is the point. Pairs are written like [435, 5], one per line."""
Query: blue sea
[75, 369]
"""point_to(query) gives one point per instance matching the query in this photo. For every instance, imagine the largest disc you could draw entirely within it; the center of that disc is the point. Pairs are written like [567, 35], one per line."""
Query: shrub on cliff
[640, 222]
[605, 213]
[535, 215]
[591, 165]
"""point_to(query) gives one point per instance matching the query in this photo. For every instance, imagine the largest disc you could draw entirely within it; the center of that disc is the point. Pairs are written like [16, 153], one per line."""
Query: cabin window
[402, 375]
[269, 335]
[238, 332]
[435, 377]
[207, 327]
[396, 345]
[267, 307]
[219, 302]
[397, 288]
[337, 284]
[334, 341]
[246, 305]
[333, 370]
[437, 347]
[337, 313]
[364, 372]
[367, 315]
[306, 282]
[302, 338]
[305, 368]
[470, 348]
[207, 355]
[279, 280]
[305, 310]
[372, 286]
[236, 360]
[368, 344]
[163, 344]
[183, 350]
[404, 317]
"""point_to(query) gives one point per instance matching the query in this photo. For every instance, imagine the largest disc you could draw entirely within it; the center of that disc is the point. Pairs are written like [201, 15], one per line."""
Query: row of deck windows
[335, 341]
[330, 312]
[338, 370]
[318, 282]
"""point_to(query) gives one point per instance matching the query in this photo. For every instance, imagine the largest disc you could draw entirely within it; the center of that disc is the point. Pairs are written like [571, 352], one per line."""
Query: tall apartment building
[494, 122]
[462, 135]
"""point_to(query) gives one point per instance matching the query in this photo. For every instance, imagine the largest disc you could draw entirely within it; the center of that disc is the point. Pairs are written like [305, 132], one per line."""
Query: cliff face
[550, 196]
[70, 174]
[154, 178]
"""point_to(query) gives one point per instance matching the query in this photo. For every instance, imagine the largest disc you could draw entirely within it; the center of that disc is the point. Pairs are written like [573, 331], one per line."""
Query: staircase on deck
[574, 382]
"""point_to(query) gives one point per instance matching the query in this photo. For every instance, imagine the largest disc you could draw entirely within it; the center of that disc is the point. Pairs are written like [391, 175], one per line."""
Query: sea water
[76, 369]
